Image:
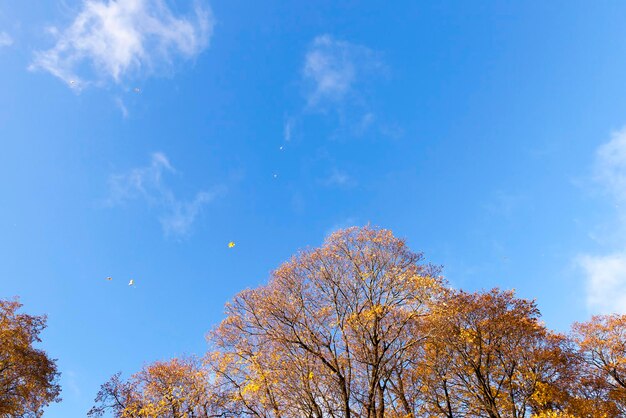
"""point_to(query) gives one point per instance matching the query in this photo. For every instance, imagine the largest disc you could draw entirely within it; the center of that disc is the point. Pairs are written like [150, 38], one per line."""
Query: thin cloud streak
[122, 107]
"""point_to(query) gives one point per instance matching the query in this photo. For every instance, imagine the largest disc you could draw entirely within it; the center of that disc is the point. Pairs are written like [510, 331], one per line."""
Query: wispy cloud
[339, 178]
[364, 124]
[333, 68]
[605, 274]
[5, 40]
[146, 183]
[122, 107]
[181, 215]
[110, 40]
[337, 79]
[71, 380]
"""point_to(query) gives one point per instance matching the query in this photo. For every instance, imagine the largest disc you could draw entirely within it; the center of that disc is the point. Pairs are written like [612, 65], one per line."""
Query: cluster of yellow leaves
[554, 414]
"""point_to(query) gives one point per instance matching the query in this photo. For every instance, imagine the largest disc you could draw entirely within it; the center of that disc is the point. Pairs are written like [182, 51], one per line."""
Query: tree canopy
[364, 327]
[28, 377]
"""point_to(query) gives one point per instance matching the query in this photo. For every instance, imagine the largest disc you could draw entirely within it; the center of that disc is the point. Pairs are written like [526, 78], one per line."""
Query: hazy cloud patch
[337, 77]
[334, 68]
[5, 40]
[177, 216]
[339, 178]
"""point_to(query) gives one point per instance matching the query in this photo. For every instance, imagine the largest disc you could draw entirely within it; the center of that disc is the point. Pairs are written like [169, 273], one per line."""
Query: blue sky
[139, 137]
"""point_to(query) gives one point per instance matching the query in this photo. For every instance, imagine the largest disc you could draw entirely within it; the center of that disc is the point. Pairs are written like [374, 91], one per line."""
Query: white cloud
[606, 282]
[332, 69]
[610, 165]
[114, 39]
[5, 40]
[605, 275]
[177, 216]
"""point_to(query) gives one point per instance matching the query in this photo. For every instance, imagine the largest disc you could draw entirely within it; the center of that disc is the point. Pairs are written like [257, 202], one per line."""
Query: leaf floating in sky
[132, 282]
[109, 278]
[231, 244]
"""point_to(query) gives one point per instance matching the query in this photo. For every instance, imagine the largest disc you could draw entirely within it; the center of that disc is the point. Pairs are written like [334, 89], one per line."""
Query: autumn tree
[601, 344]
[178, 388]
[487, 355]
[326, 336]
[28, 377]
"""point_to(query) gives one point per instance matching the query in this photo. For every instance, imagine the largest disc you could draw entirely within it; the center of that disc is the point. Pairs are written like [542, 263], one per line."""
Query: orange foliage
[28, 377]
[363, 327]
[179, 388]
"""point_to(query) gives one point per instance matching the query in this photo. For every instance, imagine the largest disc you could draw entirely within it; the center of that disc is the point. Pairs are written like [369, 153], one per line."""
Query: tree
[178, 388]
[487, 356]
[601, 346]
[329, 332]
[28, 377]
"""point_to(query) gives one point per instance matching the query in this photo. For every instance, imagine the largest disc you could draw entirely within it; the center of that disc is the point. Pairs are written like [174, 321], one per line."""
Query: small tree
[28, 377]
[178, 388]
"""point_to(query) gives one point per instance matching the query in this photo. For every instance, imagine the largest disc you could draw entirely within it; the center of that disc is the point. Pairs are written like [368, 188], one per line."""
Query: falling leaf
[231, 244]
[109, 278]
[132, 282]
